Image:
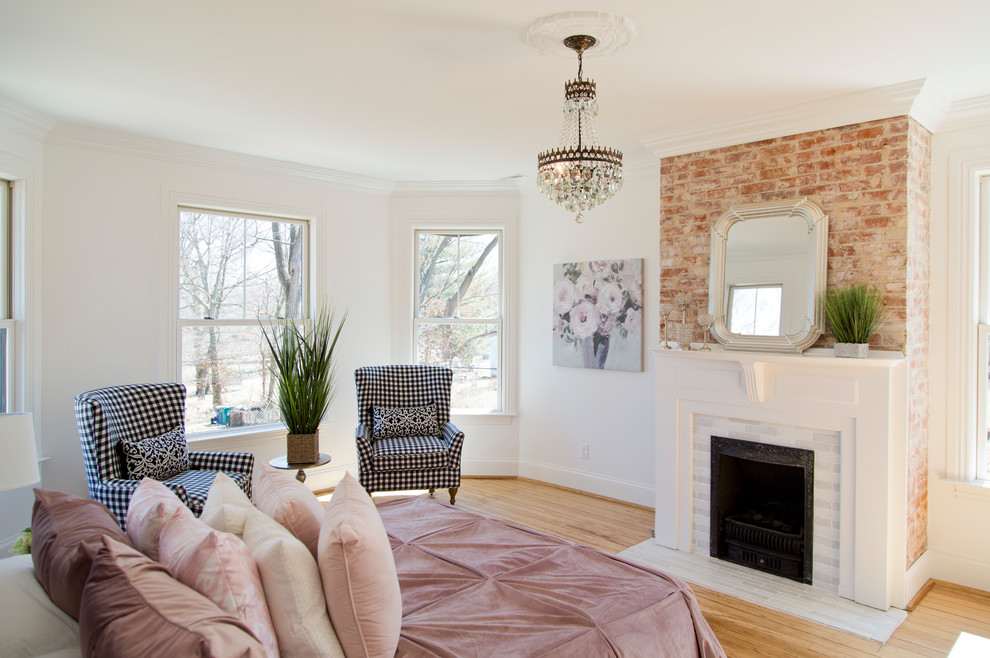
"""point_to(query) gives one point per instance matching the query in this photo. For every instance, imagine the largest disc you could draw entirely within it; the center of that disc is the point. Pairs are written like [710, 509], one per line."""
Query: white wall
[562, 408]
[958, 512]
[106, 199]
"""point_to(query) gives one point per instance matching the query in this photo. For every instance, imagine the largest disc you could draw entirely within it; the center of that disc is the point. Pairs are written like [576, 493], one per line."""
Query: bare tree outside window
[458, 313]
[234, 271]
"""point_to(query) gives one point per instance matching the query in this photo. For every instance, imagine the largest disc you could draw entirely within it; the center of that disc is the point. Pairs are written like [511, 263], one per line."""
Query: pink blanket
[476, 586]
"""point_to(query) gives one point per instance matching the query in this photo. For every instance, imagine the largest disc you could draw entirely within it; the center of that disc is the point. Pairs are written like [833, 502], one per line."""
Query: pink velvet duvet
[476, 586]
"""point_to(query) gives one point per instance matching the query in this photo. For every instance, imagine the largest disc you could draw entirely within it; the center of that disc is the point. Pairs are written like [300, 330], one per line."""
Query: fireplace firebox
[762, 506]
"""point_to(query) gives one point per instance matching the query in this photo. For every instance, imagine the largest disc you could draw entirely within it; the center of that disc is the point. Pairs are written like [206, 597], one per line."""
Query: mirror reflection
[767, 276]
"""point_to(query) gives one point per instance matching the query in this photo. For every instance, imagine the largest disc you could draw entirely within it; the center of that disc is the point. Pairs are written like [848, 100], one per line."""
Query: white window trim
[403, 295]
[964, 279]
[170, 360]
[24, 323]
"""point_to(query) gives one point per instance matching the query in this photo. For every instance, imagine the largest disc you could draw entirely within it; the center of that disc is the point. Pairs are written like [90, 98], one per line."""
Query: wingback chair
[109, 416]
[405, 439]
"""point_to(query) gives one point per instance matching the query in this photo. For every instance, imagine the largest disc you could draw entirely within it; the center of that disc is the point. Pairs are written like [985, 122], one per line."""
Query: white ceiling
[449, 89]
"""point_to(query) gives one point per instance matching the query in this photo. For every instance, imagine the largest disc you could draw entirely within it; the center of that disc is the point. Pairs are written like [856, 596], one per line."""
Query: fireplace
[851, 412]
[762, 506]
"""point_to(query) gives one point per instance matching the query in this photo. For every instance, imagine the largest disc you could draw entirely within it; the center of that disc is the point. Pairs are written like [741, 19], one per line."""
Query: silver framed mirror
[768, 266]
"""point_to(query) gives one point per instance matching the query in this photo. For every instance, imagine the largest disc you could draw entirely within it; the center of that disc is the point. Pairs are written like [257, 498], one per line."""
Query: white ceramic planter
[852, 350]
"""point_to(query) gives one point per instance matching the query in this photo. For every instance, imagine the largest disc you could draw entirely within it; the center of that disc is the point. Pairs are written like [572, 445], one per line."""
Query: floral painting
[598, 314]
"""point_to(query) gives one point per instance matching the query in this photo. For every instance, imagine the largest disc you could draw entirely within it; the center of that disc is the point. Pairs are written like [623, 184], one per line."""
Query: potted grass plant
[303, 368]
[854, 312]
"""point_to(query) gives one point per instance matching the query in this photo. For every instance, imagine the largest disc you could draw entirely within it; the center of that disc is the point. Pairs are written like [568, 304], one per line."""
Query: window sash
[6, 252]
[305, 251]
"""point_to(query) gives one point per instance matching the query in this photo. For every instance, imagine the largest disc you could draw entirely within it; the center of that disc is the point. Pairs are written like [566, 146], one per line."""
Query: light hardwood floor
[744, 629]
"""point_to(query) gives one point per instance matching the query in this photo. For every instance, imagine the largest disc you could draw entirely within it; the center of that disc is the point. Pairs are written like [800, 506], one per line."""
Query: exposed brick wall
[916, 348]
[872, 180]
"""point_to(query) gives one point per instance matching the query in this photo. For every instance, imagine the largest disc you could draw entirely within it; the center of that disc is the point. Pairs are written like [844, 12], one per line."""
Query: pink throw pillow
[62, 527]
[359, 578]
[219, 566]
[288, 501]
[131, 606]
[152, 505]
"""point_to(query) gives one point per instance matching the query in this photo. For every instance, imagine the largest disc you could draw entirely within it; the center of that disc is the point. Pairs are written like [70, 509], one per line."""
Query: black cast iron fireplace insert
[762, 506]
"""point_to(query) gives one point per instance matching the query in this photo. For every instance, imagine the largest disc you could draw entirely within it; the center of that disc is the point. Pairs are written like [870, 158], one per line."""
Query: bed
[533, 595]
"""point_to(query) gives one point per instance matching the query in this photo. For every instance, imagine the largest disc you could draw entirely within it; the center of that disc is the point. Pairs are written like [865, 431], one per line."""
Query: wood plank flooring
[743, 628]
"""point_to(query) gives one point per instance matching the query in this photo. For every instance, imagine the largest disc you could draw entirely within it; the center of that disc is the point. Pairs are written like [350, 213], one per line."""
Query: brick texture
[872, 180]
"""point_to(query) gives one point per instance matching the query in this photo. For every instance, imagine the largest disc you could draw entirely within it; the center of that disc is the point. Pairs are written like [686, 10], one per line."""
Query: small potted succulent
[854, 312]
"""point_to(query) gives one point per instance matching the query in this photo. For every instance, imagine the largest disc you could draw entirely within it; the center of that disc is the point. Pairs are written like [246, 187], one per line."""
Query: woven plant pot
[302, 448]
[852, 350]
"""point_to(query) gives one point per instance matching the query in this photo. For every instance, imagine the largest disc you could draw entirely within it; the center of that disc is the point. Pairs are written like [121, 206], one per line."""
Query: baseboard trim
[959, 570]
[490, 467]
[624, 490]
[916, 580]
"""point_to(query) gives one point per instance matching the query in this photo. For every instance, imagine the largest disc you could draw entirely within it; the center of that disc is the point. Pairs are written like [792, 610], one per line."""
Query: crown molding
[646, 167]
[24, 120]
[457, 188]
[965, 114]
[116, 142]
[916, 99]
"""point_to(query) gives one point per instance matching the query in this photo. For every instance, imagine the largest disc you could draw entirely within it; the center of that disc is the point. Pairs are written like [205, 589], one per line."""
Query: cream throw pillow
[281, 496]
[359, 577]
[288, 571]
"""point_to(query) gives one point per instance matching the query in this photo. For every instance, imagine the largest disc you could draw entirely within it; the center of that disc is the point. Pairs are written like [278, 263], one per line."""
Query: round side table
[283, 463]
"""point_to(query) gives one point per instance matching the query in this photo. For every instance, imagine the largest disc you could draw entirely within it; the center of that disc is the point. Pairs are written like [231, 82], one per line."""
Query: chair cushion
[409, 452]
[133, 607]
[158, 457]
[406, 421]
[62, 525]
[197, 485]
[290, 502]
[359, 576]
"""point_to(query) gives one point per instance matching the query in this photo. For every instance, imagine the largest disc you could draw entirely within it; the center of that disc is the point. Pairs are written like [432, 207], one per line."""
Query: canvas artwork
[598, 314]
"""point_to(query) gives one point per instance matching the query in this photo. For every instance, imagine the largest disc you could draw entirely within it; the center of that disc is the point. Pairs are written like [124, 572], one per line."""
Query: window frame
[964, 307]
[404, 297]
[171, 362]
[8, 359]
[977, 448]
[499, 321]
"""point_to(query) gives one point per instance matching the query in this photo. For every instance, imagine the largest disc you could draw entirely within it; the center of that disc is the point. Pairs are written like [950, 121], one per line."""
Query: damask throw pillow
[405, 421]
[159, 457]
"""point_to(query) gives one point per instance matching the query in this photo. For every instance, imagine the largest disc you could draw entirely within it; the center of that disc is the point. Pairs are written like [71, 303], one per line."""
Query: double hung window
[237, 271]
[458, 314]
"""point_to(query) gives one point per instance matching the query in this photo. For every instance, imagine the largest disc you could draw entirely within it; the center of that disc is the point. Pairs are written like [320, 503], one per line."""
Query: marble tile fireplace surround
[851, 412]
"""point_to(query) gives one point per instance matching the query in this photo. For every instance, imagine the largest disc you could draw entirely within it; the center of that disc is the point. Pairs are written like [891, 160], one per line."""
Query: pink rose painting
[597, 314]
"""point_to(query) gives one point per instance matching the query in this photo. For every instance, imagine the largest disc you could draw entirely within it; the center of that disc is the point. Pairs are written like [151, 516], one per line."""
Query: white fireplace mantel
[864, 400]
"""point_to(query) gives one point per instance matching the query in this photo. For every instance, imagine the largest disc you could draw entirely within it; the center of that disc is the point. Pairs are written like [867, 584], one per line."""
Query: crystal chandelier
[579, 174]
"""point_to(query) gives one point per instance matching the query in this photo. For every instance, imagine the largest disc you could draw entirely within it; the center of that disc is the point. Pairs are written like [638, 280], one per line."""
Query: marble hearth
[851, 412]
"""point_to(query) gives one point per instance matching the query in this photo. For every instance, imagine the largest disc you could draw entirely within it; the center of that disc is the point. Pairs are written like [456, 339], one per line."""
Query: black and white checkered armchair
[405, 439]
[109, 416]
